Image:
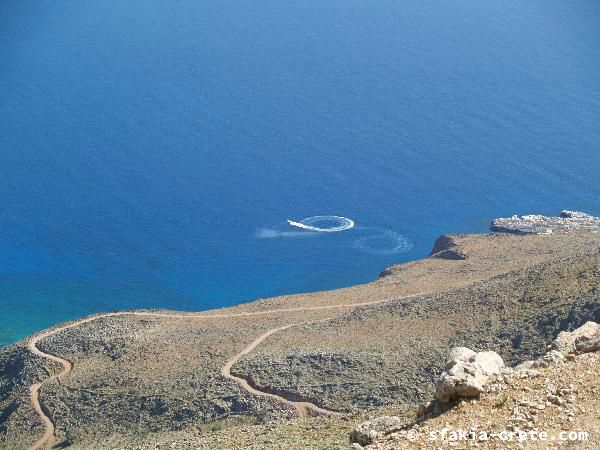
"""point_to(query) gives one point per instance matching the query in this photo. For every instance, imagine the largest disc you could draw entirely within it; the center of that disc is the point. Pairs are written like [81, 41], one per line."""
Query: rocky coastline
[156, 379]
[539, 224]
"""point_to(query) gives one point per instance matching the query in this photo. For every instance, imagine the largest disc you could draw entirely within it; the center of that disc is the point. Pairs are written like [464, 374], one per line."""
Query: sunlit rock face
[539, 224]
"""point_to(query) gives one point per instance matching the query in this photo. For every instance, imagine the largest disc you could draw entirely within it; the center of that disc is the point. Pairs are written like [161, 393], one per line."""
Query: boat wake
[372, 240]
[379, 241]
[271, 233]
[324, 224]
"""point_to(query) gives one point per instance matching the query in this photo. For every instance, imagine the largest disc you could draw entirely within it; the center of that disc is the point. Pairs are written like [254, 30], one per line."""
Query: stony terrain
[550, 402]
[143, 381]
[346, 369]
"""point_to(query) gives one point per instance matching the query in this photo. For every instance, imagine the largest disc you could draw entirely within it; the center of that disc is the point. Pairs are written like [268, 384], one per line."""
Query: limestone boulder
[466, 374]
[551, 358]
[588, 343]
[566, 341]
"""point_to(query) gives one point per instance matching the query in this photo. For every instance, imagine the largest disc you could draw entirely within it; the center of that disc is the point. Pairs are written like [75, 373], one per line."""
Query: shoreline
[444, 247]
[329, 353]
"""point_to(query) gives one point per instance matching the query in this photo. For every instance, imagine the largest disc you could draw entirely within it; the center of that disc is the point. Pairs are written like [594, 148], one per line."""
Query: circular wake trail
[379, 241]
[311, 224]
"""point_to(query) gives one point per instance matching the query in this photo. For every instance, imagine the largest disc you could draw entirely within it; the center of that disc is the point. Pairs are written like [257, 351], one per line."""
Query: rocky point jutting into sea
[301, 371]
[568, 220]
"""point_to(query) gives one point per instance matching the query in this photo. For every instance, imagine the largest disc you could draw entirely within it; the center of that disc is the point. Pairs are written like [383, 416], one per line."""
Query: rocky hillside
[389, 354]
[240, 377]
[545, 403]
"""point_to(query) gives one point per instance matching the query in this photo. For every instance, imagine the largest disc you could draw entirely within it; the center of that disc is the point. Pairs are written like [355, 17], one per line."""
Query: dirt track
[303, 408]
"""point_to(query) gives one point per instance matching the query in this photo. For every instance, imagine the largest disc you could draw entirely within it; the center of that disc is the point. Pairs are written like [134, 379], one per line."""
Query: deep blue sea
[152, 151]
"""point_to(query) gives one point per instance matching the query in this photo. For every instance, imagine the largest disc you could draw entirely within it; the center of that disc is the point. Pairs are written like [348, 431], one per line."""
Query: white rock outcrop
[583, 340]
[538, 224]
[588, 344]
[551, 358]
[466, 374]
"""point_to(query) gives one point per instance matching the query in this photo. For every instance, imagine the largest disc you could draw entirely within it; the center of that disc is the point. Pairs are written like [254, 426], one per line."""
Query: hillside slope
[148, 379]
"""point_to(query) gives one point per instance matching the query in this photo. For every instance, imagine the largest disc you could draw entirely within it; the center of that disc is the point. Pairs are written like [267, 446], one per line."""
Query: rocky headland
[301, 371]
[535, 223]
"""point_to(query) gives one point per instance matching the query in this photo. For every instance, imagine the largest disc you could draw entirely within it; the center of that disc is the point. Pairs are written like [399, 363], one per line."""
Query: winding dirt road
[303, 408]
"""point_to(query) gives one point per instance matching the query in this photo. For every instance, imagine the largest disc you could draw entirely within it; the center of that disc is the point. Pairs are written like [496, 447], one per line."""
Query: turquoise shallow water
[151, 152]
